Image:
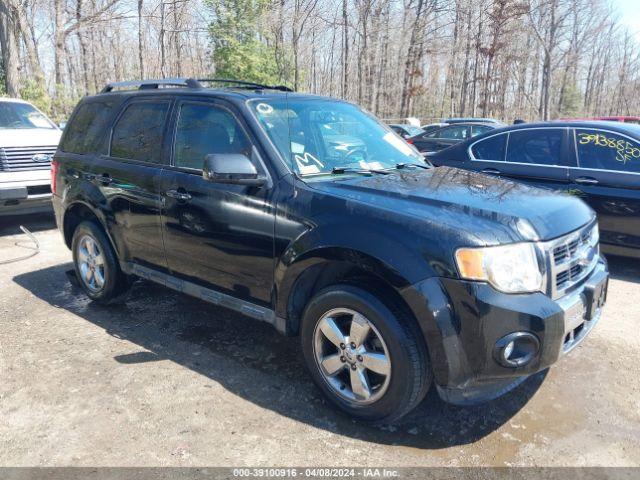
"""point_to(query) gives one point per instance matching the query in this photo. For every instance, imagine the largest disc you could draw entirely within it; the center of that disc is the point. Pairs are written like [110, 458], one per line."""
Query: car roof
[626, 128]
[13, 100]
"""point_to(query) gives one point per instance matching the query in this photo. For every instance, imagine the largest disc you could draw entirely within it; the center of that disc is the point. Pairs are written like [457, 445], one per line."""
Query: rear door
[217, 235]
[128, 177]
[607, 177]
[536, 156]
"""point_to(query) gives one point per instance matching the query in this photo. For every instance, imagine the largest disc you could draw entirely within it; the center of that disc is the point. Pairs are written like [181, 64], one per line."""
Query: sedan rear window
[491, 148]
[602, 150]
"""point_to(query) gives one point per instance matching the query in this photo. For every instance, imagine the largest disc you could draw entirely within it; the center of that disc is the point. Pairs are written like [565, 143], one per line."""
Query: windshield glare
[316, 136]
[22, 116]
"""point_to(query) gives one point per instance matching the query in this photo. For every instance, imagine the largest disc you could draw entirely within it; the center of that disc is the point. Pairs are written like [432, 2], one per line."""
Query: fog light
[516, 349]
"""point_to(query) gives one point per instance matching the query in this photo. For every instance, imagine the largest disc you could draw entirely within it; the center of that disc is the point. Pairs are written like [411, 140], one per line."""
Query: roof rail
[243, 84]
[151, 84]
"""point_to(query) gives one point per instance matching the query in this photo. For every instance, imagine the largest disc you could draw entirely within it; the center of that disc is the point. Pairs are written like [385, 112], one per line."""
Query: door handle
[491, 171]
[586, 181]
[178, 195]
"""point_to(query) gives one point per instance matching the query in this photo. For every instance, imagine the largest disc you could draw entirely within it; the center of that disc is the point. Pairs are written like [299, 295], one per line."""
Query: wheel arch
[325, 266]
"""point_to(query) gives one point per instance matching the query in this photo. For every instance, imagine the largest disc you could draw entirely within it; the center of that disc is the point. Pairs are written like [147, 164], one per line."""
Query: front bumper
[25, 192]
[462, 321]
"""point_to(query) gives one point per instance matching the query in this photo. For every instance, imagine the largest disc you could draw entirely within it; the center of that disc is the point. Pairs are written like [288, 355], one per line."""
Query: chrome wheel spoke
[332, 364]
[331, 331]
[99, 260]
[359, 330]
[376, 362]
[360, 383]
[98, 276]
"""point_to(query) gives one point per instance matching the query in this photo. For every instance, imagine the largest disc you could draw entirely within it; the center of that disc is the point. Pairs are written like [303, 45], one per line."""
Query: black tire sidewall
[111, 267]
[399, 339]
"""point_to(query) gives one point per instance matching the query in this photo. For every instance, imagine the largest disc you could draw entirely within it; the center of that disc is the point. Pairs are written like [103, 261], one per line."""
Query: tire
[400, 342]
[109, 282]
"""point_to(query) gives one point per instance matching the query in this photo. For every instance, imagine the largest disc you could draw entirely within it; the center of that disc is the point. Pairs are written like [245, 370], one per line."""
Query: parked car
[394, 275]
[596, 161]
[405, 130]
[444, 137]
[28, 140]
[451, 121]
[623, 119]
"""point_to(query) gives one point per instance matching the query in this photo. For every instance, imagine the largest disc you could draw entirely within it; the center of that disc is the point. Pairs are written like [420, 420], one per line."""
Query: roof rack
[243, 84]
[187, 83]
[151, 84]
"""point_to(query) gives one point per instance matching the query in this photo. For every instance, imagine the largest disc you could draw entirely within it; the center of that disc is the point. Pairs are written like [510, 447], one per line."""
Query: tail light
[54, 175]
[410, 141]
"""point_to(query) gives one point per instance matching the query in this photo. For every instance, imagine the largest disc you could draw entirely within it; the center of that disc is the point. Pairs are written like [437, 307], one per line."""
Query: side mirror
[231, 168]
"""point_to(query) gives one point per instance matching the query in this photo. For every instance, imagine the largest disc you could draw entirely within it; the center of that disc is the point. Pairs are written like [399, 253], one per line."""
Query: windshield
[319, 136]
[22, 115]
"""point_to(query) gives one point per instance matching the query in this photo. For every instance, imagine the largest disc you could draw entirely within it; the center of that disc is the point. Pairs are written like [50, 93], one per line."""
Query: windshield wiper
[338, 170]
[400, 166]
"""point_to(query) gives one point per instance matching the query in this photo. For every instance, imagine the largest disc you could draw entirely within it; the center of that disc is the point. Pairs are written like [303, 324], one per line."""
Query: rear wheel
[366, 356]
[96, 265]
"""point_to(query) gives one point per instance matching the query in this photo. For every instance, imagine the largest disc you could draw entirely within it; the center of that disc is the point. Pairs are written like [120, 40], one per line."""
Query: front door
[216, 235]
[608, 179]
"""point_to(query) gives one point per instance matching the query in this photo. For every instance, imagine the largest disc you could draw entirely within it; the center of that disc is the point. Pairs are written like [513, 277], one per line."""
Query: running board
[208, 295]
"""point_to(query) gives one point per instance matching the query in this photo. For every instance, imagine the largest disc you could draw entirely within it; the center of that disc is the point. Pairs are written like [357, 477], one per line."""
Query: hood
[29, 137]
[488, 208]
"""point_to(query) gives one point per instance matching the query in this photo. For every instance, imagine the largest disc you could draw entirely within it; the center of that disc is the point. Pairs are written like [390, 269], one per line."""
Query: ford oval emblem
[41, 158]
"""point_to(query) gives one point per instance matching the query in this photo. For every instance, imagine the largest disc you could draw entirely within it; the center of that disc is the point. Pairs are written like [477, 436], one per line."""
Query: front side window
[22, 116]
[205, 129]
[492, 148]
[139, 131]
[603, 150]
[87, 128]
[536, 146]
[316, 136]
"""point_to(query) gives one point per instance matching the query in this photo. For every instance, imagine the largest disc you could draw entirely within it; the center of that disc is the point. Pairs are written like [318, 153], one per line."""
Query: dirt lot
[168, 380]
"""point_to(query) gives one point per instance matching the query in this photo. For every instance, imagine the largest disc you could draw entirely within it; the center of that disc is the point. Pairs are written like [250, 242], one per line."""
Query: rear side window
[478, 129]
[536, 146]
[453, 133]
[607, 151]
[491, 148]
[138, 133]
[87, 127]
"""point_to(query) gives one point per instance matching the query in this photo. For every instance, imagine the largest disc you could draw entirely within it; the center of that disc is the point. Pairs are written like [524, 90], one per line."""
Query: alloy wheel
[91, 263]
[352, 356]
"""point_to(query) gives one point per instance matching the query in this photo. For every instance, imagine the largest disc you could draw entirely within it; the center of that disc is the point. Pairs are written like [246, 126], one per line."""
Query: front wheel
[367, 357]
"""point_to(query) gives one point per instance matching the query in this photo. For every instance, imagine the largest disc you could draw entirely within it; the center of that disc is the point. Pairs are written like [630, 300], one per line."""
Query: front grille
[16, 159]
[573, 257]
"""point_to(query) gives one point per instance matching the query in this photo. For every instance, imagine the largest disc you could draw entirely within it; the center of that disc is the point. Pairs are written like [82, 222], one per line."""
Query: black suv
[307, 213]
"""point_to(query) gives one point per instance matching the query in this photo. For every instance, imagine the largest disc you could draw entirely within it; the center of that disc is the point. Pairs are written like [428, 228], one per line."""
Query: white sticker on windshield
[297, 148]
[307, 163]
[264, 108]
[398, 143]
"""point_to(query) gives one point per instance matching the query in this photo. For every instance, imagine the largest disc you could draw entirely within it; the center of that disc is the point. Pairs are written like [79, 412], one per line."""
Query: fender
[89, 196]
[380, 255]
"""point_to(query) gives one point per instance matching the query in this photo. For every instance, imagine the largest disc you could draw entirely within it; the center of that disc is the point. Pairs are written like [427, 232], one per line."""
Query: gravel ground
[165, 379]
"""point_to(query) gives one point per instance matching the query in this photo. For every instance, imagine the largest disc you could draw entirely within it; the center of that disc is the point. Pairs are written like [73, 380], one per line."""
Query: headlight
[509, 268]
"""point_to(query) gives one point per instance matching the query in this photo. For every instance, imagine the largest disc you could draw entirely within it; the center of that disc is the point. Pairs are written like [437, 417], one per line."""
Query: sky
[629, 11]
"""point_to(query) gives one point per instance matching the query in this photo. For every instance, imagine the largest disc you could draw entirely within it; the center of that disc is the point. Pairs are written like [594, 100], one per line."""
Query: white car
[28, 140]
